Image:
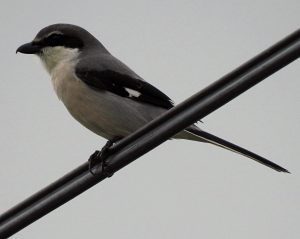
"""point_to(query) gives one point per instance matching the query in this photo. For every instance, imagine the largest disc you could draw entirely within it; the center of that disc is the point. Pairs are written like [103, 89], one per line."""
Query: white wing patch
[133, 93]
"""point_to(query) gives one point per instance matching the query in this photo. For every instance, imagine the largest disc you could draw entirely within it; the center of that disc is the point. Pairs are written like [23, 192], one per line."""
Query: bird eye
[54, 36]
[54, 39]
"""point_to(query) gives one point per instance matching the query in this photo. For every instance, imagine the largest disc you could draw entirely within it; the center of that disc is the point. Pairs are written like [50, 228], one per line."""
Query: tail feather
[204, 136]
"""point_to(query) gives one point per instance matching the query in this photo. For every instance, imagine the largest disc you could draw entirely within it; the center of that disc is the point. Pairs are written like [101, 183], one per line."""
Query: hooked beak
[29, 48]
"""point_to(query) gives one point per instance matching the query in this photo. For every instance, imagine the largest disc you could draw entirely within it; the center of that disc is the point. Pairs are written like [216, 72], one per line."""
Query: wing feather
[112, 75]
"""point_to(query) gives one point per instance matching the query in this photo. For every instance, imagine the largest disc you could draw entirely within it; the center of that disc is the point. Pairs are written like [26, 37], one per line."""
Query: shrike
[102, 93]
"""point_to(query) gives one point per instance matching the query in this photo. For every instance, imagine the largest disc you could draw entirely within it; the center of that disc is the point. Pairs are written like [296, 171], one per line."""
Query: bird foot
[99, 158]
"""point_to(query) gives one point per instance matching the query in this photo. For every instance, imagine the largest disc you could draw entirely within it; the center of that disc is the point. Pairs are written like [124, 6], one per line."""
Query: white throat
[53, 56]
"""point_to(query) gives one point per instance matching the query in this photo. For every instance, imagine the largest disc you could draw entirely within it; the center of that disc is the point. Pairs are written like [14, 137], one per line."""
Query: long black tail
[207, 137]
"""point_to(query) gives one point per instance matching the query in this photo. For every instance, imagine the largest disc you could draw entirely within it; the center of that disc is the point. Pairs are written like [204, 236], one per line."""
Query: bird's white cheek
[51, 57]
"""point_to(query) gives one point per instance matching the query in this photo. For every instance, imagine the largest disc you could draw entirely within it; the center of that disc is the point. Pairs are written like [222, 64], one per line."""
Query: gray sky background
[181, 189]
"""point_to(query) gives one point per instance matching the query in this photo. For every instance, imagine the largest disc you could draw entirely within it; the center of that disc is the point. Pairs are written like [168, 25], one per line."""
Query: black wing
[124, 85]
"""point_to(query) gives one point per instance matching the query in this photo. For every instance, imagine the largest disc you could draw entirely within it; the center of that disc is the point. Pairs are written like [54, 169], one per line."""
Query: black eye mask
[61, 40]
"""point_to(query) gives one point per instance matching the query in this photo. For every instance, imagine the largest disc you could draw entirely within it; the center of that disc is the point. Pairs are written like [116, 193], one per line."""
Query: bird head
[60, 42]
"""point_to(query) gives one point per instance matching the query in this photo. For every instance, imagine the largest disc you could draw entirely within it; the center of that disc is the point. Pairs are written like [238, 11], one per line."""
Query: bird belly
[102, 112]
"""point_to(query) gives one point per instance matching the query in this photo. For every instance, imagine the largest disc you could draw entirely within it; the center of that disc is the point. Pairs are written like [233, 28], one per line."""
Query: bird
[103, 93]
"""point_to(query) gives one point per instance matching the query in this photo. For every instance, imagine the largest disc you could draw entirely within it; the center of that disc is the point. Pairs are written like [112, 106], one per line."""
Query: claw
[99, 157]
[92, 161]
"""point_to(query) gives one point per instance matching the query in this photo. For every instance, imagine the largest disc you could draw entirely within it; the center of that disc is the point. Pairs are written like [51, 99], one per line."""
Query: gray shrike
[102, 93]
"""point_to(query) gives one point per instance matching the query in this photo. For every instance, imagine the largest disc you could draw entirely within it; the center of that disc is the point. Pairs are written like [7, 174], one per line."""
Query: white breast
[60, 61]
[62, 76]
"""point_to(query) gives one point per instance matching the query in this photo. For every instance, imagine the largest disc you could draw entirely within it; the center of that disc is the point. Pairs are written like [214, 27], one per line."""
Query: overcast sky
[181, 189]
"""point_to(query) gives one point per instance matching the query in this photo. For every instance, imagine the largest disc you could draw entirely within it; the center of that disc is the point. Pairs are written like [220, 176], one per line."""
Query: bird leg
[99, 157]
